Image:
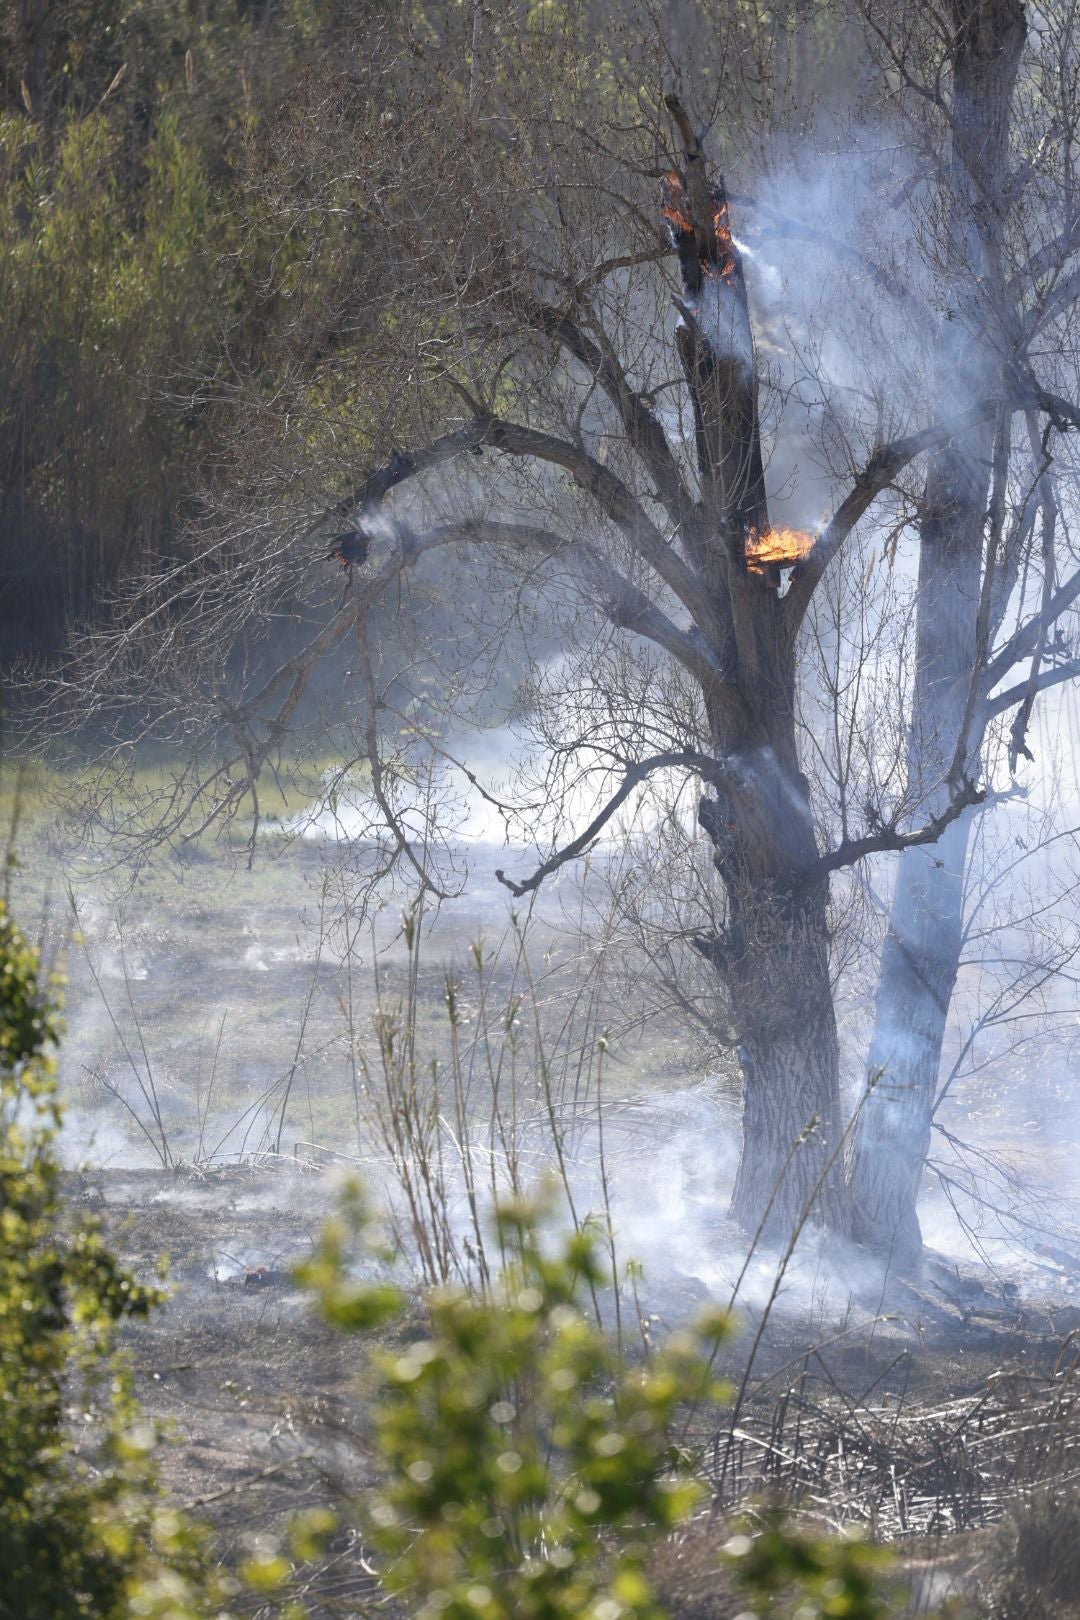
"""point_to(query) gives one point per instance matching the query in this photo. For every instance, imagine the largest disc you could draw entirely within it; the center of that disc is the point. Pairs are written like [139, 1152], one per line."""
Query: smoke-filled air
[539, 721]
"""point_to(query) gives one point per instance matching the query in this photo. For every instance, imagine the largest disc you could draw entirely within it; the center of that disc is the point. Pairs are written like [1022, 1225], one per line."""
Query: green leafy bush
[83, 1531]
[818, 1577]
[530, 1467]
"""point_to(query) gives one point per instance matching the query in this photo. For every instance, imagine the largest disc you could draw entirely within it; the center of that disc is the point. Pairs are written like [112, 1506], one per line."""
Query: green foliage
[126, 264]
[817, 1577]
[104, 304]
[529, 1467]
[82, 1529]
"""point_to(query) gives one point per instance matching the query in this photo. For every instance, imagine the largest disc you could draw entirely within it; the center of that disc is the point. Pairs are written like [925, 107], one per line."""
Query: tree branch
[610, 493]
[635, 775]
[639, 420]
[1052, 675]
[627, 607]
[1048, 501]
[1022, 643]
[887, 838]
[877, 475]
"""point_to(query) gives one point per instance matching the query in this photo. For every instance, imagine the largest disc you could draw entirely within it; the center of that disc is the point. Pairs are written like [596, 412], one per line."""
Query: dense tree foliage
[133, 275]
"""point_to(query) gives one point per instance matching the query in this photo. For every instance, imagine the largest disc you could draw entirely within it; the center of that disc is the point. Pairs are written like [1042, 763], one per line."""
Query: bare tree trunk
[781, 996]
[921, 955]
[917, 976]
[773, 953]
[773, 957]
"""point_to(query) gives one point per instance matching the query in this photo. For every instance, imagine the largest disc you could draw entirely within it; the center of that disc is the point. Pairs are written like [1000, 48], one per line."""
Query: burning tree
[523, 360]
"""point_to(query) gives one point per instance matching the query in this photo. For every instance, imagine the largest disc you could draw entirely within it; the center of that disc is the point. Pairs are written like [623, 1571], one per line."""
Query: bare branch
[610, 493]
[639, 420]
[1048, 502]
[888, 838]
[876, 476]
[621, 261]
[1023, 642]
[626, 606]
[635, 775]
[1053, 675]
[402, 841]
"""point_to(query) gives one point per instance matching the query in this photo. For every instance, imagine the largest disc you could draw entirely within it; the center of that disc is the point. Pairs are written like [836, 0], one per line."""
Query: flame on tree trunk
[772, 954]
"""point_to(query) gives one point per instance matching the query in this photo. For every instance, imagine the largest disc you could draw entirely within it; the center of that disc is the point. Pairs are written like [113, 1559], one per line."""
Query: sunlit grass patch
[28, 796]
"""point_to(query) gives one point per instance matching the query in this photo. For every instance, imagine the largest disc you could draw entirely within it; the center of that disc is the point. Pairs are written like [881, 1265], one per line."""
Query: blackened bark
[921, 955]
[773, 954]
[773, 957]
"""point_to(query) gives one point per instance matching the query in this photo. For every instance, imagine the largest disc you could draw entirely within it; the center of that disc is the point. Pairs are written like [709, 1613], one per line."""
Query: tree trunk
[781, 996]
[773, 952]
[773, 957]
[921, 955]
[917, 976]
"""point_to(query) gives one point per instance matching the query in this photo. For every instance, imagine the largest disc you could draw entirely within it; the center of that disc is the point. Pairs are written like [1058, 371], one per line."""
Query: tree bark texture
[773, 953]
[921, 955]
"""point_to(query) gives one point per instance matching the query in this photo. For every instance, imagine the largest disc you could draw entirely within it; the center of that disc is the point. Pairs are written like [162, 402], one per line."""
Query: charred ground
[923, 1427]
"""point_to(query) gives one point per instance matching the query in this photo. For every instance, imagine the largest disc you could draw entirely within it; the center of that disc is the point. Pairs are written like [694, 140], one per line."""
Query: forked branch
[611, 495]
[884, 465]
[888, 837]
[687, 758]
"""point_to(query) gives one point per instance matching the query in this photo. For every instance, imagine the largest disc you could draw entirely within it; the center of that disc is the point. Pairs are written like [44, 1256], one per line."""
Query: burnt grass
[925, 1431]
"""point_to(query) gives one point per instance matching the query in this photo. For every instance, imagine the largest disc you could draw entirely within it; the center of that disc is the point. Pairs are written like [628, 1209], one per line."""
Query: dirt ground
[264, 1407]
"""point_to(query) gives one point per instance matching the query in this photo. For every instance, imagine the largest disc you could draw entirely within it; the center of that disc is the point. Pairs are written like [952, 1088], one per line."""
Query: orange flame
[718, 257]
[783, 547]
[674, 207]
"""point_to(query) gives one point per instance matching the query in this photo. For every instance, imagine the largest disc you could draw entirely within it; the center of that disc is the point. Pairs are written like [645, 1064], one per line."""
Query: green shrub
[83, 1531]
[530, 1468]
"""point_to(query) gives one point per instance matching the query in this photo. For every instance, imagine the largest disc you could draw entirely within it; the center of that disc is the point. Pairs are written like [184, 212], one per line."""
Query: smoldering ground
[210, 1034]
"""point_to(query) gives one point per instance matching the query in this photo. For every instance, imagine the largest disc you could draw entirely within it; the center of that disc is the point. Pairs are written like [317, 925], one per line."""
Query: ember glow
[782, 548]
[715, 250]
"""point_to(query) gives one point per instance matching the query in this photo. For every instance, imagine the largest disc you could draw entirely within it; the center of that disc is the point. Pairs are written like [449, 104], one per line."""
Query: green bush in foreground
[530, 1468]
[82, 1534]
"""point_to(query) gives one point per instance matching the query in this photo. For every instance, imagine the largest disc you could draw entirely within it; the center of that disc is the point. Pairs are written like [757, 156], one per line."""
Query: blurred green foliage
[125, 156]
[782, 1570]
[83, 1529]
[530, 1467]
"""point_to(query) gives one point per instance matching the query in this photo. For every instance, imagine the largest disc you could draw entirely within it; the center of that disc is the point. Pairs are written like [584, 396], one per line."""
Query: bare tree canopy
[754, 442]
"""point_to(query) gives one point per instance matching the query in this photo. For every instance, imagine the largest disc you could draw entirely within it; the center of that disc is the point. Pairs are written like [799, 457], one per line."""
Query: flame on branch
[776, 548]
[704, 246]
